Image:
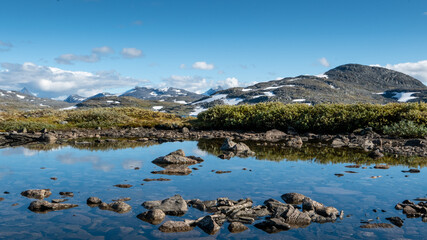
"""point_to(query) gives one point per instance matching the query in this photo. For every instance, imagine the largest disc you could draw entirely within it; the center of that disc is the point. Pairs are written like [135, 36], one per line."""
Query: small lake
[88, 169]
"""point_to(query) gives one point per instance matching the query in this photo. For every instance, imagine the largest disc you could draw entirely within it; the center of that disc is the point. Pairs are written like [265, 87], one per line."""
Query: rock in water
[175, 226]
[273, 225]
[43, 206]
[293, 198]
[396, 221]
[175, 206]
[155, 216]
[377, 225]
[119, 207]
[208, 225]
[236, 227]
[93, 201]
[177, 157]
[37, 193]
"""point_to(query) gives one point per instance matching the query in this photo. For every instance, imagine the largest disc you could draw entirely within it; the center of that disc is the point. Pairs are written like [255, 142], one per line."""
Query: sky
[56, 48]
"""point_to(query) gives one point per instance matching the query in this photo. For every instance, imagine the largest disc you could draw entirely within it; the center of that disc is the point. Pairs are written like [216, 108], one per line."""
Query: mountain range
[350, 83]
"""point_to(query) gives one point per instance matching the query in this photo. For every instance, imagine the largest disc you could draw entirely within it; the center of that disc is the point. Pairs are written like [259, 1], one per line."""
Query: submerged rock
[175, 206]
[123, 185]
[175, 226]
[59, 200]
[273, 225]
[37, 193]
[156, 179]
[396, 221]
[377, 225]
[67, 194]
[43, 206]
[93, 201]
[236, 227]
[155, 216]
[119, 207]
[174, 169]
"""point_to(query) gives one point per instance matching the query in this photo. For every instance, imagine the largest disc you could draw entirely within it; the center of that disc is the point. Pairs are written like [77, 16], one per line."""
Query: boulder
[177, 157]
[295, 217]
[293, 198]
[154, 217]
[175, 206]
[175, 226]
[93, 200]
[208, 225]
[119, 207]
[396, 221]
[43, 206]
[238, 148]
[37, 193]
[274, 135]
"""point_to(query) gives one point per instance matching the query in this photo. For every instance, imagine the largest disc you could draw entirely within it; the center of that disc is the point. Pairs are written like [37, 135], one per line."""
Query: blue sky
[55, 48]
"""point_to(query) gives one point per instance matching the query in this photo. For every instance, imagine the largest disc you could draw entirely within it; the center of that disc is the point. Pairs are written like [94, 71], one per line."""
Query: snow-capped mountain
[212, 91]
[74, 98]
[168, 94]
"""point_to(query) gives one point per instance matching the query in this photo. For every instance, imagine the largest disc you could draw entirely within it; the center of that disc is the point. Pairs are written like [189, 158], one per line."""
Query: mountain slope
[13, 100]
[74, 98]
[168, 94]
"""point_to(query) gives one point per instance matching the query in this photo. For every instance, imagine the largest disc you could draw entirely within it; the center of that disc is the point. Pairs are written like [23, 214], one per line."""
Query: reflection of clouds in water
[131, 164]
[19, 151]
[95, 160]
[198, 152]
[335, 190]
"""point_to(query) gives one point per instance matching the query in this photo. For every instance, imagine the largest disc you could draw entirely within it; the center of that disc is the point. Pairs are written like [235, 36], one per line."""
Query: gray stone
[43, 206]
[293, 198]
[37, 193]
[208, 225]
[295, 217]
[177, 157]
[155, 216]
[175, 206]
[93, 200]
[119, 207]
[175, 226]
[377, 225]
[273, 225]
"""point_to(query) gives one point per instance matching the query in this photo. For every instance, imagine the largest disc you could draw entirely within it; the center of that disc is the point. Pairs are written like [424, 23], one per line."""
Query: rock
[59, 200]
[174, 169]
[239, 148]
[185, 130]
[175, 206]
[177, 157]
[293, 198]
[208, 225]
[330, 212]
[377, 225]
[93, 200]
[54, 178]
[308, 204]
[67, 194]
[48, 137]
[380, 166]
[175, 226]
[274, 135]
[273, 225]
[275, 207]
[123, 185]
[409, 210]
[338, 142]
[197, 204]
[236, 227]
[1, 199]
[42, 206]
[156, 179]
[376, 154]
[369, 145]
[353, 166]
[221, 172]
[295, 142]
[119, 207]
[421, 199]
[396, 221]
[122, 199]
[339, 174]
[154, 217]
[294, 217]
[37, 193]
[413, 170]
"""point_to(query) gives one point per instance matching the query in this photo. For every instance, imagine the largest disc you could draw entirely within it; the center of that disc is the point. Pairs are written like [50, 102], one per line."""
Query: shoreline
[366, 140]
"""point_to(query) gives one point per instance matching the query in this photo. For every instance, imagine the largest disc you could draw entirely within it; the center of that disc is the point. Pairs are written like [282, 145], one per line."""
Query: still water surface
[88, 171]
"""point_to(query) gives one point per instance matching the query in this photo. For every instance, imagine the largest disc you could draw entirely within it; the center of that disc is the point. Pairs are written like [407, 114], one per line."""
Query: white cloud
[54, 82]
[324, 62]
[95, 56]
[5, 46]
[103, 50]
[417, 70]
[131, 53]
[229, 83]
[203, 66]
[198, 84]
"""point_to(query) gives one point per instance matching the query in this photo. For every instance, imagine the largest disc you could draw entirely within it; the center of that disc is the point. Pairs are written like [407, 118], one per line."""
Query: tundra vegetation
[395, 119]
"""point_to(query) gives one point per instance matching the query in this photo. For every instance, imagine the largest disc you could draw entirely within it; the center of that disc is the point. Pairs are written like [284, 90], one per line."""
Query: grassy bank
[400, 119]
[88, 118]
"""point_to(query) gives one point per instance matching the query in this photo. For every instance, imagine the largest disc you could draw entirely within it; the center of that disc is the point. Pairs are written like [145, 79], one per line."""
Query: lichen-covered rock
[37, 193]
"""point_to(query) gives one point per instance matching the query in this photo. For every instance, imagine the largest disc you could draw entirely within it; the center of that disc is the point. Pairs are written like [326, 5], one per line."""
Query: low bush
[405, 129]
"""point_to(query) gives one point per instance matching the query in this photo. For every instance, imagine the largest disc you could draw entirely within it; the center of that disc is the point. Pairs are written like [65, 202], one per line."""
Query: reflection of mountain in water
[321, 155]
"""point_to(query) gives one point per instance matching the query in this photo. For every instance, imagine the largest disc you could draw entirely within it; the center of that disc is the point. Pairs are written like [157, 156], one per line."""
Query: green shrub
[322, 118]
[406, 129]
[20, 125]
